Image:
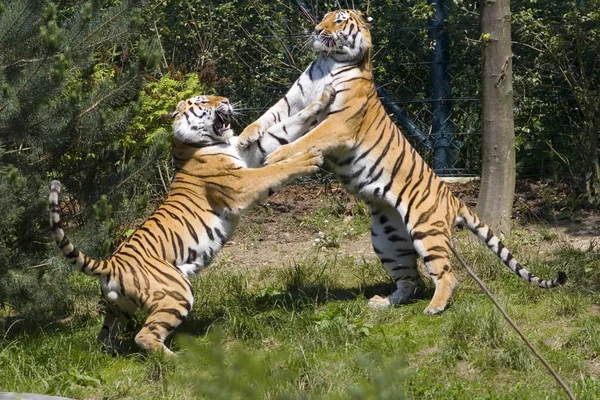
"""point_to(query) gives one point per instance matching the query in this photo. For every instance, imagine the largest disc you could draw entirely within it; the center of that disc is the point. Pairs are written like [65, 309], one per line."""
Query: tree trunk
[498, 169]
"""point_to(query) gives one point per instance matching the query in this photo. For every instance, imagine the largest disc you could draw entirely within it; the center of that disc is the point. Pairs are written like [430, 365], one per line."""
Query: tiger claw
[329, 91]
[247, 141]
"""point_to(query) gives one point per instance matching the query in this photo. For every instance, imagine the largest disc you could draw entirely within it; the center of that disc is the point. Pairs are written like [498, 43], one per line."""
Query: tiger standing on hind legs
[412, 211]
[212, 186]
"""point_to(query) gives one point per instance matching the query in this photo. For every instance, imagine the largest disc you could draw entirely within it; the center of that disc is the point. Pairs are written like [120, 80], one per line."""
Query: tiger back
[212, 186]
[413, 212]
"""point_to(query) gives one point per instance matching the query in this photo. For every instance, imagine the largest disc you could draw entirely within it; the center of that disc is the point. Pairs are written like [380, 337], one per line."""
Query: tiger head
[202, 120]
[343, 35]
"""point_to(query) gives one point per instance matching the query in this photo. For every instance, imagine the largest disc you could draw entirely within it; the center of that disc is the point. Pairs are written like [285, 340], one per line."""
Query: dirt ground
[278, 226]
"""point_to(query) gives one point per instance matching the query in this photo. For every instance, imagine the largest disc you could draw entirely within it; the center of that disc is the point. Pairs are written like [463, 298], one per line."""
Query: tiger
[212, 186]
[413, 213]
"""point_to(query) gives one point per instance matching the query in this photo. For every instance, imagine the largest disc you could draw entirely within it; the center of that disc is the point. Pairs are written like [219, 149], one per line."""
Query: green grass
[336, 221]
[305, 332]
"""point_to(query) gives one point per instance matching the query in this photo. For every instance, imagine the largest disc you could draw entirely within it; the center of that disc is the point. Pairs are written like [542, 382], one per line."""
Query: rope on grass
[558, 379]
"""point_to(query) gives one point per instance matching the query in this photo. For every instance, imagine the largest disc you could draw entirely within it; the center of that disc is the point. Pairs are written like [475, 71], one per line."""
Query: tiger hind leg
[435, 253]
[392, 244]
[167, 307]
[160, 324]
[114, 320]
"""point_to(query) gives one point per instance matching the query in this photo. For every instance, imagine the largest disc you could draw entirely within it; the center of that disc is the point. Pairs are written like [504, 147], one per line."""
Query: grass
[305, 332]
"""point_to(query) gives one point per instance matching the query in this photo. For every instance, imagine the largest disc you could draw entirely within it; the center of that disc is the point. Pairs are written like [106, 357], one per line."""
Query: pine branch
[99, 102]
[21, 62]
[101, 26]
[28, 80]
[93, 45]
[30, 8]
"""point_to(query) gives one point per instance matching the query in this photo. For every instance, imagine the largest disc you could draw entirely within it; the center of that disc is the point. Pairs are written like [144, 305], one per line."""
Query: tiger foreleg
[256, 184]
[392, 244]
[329, 136]
[290, 104]
[285, 131]
[298, 124]
[250, 135]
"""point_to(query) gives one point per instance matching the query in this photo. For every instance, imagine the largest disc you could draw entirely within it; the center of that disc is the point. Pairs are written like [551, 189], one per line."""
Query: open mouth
[327, 41]
[221, 123]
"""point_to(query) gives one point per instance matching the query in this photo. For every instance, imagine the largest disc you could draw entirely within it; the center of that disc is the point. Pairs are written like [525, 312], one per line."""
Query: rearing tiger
[211, 188]
[413, 212]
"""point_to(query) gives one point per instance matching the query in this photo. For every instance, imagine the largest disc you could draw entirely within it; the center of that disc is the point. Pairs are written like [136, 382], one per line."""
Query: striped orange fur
[413, 212]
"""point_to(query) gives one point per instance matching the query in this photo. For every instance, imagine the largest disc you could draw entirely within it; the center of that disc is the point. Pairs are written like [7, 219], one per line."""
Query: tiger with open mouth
[212, 186]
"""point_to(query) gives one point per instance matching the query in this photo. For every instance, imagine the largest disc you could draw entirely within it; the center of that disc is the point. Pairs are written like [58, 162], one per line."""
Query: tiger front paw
[305, 163]
[327, 95]
[251, 134]
[285, 152]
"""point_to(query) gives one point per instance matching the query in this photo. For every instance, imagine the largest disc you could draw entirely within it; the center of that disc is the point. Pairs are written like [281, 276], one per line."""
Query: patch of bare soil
[594, 367]
[279, 234]
[275, 233]
[465, 370]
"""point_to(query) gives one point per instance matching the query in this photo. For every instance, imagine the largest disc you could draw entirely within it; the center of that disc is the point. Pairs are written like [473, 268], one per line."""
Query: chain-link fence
[439, 115]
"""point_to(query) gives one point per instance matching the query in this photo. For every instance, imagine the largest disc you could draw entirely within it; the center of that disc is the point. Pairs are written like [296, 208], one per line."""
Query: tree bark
[498, 165]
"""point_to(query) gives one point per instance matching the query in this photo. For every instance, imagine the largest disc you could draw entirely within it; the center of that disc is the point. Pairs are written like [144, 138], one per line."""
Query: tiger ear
[174, 111]
[369, 20]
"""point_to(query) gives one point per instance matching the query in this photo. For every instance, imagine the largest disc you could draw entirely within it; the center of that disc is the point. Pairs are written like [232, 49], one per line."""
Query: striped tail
[484, 232]
[83, 262]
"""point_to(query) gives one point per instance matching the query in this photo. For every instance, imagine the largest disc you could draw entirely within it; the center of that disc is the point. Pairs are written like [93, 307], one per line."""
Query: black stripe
[300, 87]
[180, 244]
[337, 111]
[389, 229]
[191, 229]
[409, 207]
[423, 235]
[396, 238]
[432, 257]
[280, 140]
[310, 68]
[395, 170]
[489, 236]
[192, 254]
[500, 247]
[289, 108]
[220, 234]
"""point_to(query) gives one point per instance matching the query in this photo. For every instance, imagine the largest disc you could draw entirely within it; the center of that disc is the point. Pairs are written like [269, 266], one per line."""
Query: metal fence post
[441, 105]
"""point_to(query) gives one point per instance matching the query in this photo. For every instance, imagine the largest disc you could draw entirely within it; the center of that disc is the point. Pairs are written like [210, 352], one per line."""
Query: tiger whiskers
[307, 42]
[238, 122]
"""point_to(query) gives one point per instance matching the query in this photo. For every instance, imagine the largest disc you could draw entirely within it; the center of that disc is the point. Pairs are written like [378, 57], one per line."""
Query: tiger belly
[359, 176]
[199, 255]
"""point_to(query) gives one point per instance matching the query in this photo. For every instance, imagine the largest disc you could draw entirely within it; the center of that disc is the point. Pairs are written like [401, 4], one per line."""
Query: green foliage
[556, 49]
[150, 125]
[232, 373]
[69, 74]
